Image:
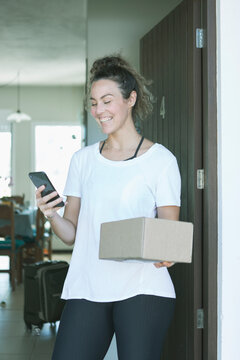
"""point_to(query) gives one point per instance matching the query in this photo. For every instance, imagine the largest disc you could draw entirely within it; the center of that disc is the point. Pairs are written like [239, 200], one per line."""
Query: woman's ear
[132, 98]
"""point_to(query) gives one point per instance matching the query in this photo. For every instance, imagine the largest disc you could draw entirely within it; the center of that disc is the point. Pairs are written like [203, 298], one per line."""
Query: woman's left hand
[163, 263]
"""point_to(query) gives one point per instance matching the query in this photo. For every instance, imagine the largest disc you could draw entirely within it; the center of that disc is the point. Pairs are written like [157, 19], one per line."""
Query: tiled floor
[15, 342]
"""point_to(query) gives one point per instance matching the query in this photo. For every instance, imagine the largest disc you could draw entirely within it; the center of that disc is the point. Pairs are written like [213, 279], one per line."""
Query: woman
[125, 176]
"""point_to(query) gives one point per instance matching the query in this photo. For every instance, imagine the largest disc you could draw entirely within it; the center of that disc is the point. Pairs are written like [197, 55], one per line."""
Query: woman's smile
[105, 119]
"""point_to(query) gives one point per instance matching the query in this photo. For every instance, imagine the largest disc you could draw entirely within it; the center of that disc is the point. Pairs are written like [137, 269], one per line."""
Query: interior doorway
[171, 58]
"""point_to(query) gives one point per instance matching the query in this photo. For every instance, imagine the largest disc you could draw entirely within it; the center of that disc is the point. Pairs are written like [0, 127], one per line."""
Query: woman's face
[108, 106]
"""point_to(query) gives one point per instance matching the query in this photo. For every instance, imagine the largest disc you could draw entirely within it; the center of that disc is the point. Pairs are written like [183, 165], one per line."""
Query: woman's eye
[93, 105]
[107, 102]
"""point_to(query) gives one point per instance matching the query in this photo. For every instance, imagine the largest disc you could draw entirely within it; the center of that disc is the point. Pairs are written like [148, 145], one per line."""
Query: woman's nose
[99, 108]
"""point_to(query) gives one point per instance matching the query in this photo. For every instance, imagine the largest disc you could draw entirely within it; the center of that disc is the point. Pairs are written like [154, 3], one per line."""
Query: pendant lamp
[18, 116]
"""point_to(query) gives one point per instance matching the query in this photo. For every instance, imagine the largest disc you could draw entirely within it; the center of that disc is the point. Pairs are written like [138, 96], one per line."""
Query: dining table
[24, 222]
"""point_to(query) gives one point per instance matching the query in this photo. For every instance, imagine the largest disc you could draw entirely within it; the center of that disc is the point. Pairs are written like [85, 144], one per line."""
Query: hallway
[15, 342]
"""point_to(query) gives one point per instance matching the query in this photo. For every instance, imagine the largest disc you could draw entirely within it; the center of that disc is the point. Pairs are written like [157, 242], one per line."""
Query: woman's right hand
[48, 209]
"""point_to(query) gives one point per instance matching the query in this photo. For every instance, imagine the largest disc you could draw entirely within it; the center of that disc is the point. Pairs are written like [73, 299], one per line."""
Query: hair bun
[108, 61]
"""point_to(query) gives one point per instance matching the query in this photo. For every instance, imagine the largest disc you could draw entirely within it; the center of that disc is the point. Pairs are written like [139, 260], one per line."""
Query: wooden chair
[40, 246]
[44, 234]
[18, 199]
[9, 245]
[43, 237]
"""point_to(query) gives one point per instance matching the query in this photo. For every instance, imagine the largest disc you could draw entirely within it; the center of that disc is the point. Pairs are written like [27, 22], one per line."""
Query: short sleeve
[73, 183]
[169, 186]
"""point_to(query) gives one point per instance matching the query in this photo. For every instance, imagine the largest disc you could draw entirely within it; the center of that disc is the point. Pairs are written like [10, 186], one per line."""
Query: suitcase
[43, 283]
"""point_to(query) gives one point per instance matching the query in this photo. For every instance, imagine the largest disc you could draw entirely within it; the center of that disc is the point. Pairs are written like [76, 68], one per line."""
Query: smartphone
[40, 178]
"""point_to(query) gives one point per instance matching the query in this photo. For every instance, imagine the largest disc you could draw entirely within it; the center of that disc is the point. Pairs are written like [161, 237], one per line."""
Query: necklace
[106, 143]
[135, 154]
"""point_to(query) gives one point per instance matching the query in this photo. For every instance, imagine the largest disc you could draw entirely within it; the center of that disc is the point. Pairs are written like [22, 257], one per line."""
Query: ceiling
[45, 41]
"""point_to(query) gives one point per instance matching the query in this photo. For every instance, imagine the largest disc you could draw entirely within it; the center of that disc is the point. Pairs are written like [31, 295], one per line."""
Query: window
[54, 147]
[5, 163]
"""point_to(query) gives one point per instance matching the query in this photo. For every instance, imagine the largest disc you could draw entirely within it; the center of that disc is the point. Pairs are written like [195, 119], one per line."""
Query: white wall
[228, 33]
[44, 104]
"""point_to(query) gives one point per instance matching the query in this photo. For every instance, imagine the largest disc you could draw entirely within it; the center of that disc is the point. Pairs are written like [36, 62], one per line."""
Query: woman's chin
[107, 130]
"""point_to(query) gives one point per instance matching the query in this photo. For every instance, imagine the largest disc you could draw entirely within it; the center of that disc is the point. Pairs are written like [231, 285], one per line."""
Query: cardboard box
[147, 239]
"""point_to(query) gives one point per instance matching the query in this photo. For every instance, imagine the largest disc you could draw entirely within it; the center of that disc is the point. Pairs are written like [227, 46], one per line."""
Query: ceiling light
[18, 116]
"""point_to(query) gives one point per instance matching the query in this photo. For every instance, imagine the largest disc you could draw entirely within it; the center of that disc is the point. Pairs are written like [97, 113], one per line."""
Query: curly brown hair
[128, 79]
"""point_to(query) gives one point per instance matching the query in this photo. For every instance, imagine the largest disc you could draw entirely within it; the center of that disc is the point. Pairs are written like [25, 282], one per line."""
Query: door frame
[195, 161]
[207, 101]
[210, 192]
[195, 111]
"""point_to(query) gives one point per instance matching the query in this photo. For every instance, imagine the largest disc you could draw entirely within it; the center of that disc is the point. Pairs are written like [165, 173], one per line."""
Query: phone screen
[40, 178]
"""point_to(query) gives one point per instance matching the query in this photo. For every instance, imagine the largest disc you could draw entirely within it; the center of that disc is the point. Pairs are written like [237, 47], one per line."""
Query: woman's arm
[169, 213]
[64, 227]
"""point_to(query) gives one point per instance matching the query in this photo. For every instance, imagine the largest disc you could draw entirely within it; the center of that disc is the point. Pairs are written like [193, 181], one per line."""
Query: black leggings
[140, 324]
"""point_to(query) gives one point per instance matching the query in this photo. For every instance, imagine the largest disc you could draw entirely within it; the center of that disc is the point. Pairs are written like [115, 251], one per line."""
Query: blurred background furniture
[25, 223]
[26, 236]
[9, 245]
[18, 199]
[39, 245]
[44, 234]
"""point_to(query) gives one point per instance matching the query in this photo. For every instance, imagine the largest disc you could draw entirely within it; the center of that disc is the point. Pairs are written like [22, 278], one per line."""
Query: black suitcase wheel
[31, 327]
[28, 326]
[37, 330]
[40, 325]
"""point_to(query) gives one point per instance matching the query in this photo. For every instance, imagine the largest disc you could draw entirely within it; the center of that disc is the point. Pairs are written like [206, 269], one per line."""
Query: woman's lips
[103, 120]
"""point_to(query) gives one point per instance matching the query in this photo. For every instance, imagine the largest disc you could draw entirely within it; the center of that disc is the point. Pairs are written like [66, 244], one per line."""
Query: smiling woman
[124, 177]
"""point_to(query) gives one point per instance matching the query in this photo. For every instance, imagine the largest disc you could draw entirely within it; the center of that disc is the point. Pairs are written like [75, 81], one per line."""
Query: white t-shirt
[116, 190]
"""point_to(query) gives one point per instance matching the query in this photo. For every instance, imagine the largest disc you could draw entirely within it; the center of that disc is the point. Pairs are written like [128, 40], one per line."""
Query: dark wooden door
[169, 57]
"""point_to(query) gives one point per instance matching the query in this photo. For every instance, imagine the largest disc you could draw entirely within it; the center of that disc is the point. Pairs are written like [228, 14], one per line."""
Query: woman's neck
[128, 141]
[125, 138]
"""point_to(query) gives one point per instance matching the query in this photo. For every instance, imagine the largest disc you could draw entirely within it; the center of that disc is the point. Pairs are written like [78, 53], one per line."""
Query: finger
[158, 265]
[164, 264]
[168, 263]
[42, 201]
[171, 264]
[39, 190]
[53, 203]
[50, 208]
[50, 196]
